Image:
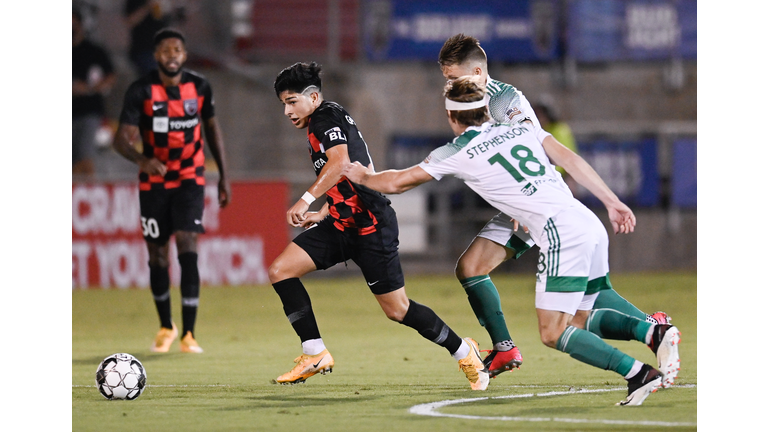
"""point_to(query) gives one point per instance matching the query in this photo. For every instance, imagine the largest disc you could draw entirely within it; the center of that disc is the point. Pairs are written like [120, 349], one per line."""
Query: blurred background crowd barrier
[620, 73]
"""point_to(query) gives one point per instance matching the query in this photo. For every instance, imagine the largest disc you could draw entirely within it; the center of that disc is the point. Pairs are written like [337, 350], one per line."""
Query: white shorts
[501, 230]
[573, 261]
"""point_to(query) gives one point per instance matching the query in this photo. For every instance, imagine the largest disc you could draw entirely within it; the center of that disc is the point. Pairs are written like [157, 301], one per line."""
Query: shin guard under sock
[298, 308]
[610, 299]
[588, 348]
[425, 321]
[190, 291]
[160, 283]
[609, 324]
[484, 299]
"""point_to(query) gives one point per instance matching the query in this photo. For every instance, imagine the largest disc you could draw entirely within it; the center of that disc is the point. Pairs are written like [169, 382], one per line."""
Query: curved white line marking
[431, 409]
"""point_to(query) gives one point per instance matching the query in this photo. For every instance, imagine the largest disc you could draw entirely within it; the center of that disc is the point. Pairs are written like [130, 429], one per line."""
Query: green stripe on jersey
[553, 251]
[455, 146]
[566, 283]
[599, 284]
[494, 86]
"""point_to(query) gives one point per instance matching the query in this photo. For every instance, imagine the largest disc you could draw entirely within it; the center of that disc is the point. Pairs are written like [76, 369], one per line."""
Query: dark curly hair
[167, 33]
[298, 77]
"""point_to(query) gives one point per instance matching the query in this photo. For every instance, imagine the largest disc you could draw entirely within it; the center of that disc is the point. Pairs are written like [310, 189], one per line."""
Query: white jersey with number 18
[507, 166]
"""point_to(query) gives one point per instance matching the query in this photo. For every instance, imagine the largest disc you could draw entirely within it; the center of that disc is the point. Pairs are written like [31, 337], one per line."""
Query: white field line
[431, 409]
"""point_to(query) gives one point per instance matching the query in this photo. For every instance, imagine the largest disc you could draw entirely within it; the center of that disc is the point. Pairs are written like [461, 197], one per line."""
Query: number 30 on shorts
[149, 227]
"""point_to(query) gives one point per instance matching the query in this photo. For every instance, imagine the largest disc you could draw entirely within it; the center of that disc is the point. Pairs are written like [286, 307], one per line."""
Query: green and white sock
[588, 348]
[610, 324]
[484, 299]
[610, 299]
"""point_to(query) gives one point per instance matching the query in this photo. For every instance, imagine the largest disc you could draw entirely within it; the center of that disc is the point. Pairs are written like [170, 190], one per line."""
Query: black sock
[190, 290]
[428, 324]
[160, 283]
[298, 308]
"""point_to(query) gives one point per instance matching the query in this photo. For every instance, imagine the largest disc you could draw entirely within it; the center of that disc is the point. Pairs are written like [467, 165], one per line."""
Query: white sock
[634, 371]
[313, 346]
[649, 336]
[462, 352]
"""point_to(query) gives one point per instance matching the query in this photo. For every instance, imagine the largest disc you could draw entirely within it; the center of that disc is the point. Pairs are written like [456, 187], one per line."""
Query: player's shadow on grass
[297, 401]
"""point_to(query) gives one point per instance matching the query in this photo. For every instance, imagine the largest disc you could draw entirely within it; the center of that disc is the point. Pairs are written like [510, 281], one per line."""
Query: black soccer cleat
[640, 386]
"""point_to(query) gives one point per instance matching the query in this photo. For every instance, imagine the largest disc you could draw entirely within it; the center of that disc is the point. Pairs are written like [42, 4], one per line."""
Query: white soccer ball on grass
[121, 376]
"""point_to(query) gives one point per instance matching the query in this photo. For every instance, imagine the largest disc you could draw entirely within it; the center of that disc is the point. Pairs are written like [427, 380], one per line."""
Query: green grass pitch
[383, 369]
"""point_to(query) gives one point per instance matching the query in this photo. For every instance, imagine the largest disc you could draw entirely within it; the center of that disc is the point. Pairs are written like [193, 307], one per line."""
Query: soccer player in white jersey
[499, 240]
[509, 166]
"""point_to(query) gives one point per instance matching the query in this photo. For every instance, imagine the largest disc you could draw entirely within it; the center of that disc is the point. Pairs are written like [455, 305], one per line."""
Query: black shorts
[376, 253]
[165, 211]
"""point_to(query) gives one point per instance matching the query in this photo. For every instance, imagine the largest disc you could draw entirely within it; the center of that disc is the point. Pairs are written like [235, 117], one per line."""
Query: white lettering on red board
[112, 215]
[98, 209]
[123, 263]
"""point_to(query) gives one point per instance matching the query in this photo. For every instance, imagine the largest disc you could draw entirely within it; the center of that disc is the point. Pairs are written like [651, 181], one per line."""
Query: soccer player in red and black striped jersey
[355, 223]
[167, 110]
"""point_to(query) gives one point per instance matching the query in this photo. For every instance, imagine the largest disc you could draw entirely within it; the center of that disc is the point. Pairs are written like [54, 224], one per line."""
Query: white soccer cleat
[665, 343]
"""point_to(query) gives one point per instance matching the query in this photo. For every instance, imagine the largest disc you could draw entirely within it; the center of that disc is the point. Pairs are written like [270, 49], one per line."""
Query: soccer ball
[121, 376]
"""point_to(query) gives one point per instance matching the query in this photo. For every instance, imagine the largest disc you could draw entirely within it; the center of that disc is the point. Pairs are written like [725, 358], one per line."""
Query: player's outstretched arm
[216, 146]
[123, 143]
[622, 218]
[389, 181]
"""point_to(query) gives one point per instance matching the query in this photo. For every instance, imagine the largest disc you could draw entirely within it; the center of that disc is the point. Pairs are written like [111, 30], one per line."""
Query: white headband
[451, 105]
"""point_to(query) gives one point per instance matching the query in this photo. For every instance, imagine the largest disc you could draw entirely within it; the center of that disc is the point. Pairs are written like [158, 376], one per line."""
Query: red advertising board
[240, 242]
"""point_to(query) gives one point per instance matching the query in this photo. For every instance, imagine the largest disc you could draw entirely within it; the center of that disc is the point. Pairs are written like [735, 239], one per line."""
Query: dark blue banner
[629, 168]
[408, 150]
[508, 30]
[683, 175]
[613, 30]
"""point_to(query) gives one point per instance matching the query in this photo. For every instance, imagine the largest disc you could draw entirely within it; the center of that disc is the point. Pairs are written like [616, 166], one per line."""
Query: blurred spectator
[144, 19]
[560, 130]
[92, 77]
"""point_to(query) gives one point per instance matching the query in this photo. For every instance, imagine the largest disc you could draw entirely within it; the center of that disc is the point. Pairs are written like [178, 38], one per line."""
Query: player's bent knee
[158, 255]
[394, 310]
[159, 261]
[551, 334]
[274, 272]
[394, 304]
[394, 316]
[186, 241]
[550, 339]
[279, 270]
[467, 268]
